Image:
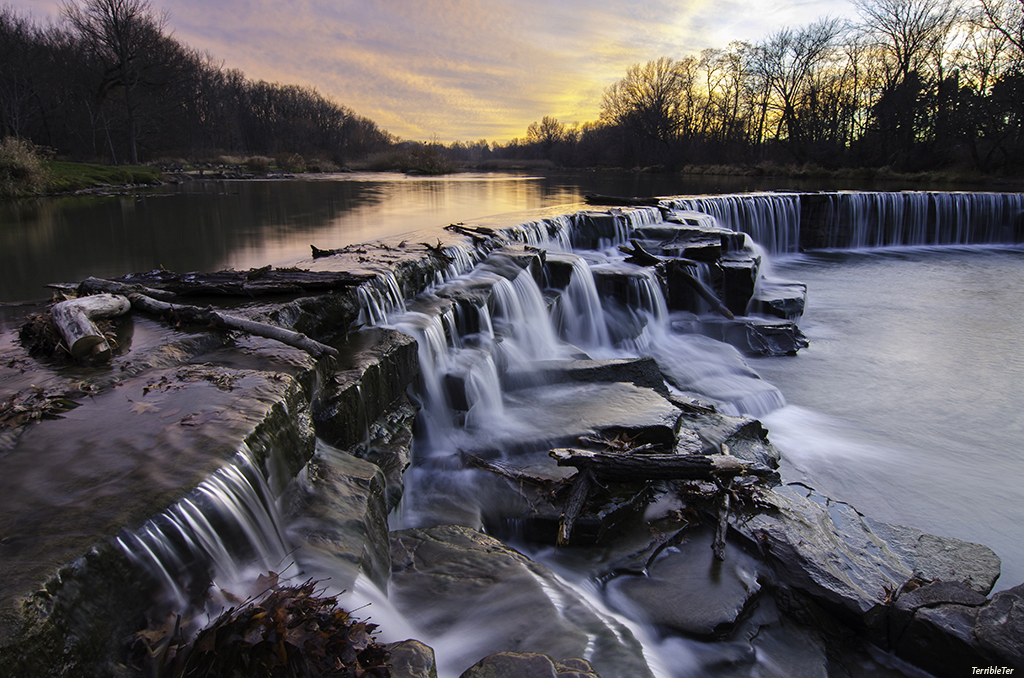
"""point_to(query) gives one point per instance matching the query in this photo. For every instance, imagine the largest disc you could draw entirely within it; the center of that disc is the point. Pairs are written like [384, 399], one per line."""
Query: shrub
[258, 164]
[290, 162]
[21, 168]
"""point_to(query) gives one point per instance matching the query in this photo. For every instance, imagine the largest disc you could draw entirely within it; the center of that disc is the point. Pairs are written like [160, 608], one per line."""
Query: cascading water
[771, 219]
[228, 527]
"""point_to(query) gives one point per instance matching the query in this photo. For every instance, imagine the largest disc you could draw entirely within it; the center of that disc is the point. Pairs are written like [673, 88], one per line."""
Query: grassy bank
[63, 177]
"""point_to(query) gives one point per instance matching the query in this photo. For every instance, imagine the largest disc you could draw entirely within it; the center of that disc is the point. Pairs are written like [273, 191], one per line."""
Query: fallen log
[581, 486]
[98, 285]
[700, 288]
[627, 467]
[74, 319]
[208, 316]
[621, 201]
[251, 283]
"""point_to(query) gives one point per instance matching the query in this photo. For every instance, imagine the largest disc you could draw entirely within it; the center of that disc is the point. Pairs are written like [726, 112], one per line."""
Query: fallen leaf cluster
[27, 407]
[292, 632]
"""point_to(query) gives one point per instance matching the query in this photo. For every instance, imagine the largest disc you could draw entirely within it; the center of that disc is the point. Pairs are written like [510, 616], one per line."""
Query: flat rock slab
[129, 452]
[478, 597]
[689, 591]
[560, 414]
[829, 551]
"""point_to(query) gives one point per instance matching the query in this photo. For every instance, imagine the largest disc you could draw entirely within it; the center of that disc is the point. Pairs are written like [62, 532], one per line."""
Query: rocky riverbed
[428, 458]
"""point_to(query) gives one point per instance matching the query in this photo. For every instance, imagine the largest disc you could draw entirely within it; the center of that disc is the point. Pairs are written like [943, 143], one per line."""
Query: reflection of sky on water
[907, 402]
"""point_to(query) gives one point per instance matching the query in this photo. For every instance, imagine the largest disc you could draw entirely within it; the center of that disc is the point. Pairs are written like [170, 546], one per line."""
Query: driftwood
[208, 316]
[626, 467]
[704, 291]
[99, 285]
[598, 199]
[638, 255]
[74, 319]
[252, 283]
[594, 467]
[477, 233]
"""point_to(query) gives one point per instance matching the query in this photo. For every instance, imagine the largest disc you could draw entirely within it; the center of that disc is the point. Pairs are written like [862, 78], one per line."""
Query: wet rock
[637, 371]
[373, 372]
[691, 592]
[595, 229]
[939, 640]
[999, 629]
[575, 667]
[339, 518]
[560, 414]
[941, 558]
[739, 278]
[483, 597]
[745, 437]
[411, 659]
[512, 665]
[784, 300]
[828, 551]
[931, 594]
[751, 335]
[390, 448]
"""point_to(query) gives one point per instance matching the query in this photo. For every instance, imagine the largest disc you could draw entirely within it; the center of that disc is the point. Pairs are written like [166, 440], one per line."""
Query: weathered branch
[638, 255]
[581, 486]
[598, 199]
[74, 318]
[208, 316]
[626, 467]
[252, 283]
[703, 290]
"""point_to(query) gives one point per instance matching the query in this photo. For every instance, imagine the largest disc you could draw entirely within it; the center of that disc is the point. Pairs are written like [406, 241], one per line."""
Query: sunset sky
[464, 69]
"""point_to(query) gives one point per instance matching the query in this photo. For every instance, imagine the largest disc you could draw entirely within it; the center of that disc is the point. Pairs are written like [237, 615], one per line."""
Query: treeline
[914, 85]
[108, 82]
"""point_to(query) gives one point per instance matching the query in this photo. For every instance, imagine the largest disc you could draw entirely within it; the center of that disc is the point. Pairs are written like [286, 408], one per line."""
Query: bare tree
[910, 35]
[1007, 18]
[646, 101]
[123, 36]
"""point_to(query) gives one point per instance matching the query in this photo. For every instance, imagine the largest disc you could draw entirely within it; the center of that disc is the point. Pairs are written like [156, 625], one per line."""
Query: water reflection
[209, 225]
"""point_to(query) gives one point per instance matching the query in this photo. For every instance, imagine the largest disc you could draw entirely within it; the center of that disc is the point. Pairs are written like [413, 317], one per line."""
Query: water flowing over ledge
[789, 222]
[505, 323]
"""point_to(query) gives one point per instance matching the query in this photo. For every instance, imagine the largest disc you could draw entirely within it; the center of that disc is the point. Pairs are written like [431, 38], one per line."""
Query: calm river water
[906, 404]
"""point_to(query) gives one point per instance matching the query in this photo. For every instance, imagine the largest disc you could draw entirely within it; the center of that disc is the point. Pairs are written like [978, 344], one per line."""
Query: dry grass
[22, 171]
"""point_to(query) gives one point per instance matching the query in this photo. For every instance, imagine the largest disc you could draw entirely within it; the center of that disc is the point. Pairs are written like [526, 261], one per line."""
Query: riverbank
[780, 586]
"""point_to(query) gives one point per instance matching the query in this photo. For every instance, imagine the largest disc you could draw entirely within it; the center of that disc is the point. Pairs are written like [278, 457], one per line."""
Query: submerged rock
[480, 597]
[691, 592]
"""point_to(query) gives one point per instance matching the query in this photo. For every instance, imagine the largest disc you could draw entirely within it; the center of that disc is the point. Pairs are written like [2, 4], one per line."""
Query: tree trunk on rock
[74, 319]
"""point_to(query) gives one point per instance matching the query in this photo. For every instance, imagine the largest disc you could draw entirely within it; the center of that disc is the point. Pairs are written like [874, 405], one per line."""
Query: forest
[911, 85]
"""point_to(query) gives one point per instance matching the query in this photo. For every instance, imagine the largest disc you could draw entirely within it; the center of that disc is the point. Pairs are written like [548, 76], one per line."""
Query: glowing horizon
[463, 70]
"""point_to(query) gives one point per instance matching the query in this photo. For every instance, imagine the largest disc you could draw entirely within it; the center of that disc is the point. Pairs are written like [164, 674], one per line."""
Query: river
[906, 403]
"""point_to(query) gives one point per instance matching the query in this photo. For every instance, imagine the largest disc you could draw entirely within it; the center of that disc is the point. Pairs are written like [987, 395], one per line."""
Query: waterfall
[229, 524]
[854, 220]
[771, 219]
[378, 298]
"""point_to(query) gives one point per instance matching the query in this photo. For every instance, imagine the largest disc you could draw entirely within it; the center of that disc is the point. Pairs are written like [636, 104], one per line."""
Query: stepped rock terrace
[197, 453]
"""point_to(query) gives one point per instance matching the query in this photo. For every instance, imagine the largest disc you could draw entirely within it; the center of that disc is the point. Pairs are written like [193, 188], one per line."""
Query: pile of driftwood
[595, 470]
[95, 299]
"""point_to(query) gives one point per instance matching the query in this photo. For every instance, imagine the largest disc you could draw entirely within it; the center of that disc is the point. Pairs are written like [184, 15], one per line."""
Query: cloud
[463, 69]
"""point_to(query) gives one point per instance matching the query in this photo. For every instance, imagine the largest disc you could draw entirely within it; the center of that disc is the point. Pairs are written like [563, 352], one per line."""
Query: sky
[464, 69]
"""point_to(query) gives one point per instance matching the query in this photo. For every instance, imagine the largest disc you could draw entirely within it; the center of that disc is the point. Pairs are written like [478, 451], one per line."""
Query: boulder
[411, 659]
[999, 629]
[529, 665]
[480, 597]
[739, 279]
